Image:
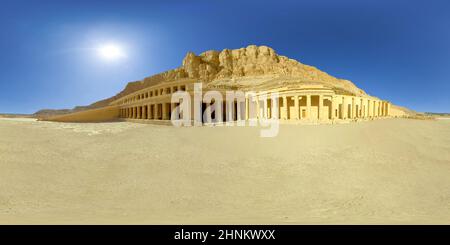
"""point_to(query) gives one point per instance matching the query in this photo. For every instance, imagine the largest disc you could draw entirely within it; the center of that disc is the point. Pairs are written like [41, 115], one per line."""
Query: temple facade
[312, 103]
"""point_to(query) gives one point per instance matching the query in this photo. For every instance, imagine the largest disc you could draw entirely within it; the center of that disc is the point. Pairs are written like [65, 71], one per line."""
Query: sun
[111, 51]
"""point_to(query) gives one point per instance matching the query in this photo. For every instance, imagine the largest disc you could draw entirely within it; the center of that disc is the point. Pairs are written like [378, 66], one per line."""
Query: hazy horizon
[58, 55]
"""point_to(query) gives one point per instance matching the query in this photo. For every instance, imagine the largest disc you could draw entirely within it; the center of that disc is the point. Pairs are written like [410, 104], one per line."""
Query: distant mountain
[53, 112]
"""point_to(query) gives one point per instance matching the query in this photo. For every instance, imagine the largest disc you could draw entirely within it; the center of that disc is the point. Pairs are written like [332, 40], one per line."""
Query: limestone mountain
[247, 68]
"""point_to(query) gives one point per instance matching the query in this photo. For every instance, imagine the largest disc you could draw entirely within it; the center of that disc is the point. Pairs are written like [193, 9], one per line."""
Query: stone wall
[104, 114]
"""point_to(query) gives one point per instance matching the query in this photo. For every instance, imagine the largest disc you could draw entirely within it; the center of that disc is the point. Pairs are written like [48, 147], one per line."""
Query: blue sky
[396, 50]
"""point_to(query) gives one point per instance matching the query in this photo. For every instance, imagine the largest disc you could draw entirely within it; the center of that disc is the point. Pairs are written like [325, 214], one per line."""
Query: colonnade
[157, 111]
[291, 106]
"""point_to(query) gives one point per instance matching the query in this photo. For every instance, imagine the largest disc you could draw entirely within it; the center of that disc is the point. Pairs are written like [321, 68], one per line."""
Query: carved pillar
[149, 111]
[285, 107]
[353, 114]
[377, 103]
[361, 108]
[308, 106]
[320, 116]
[297, 113]
[344, 108]
[388, 109]
[333, 107]
[247, 107]
[156, 112]
[379, 108]
[385, 108]
[258, 109]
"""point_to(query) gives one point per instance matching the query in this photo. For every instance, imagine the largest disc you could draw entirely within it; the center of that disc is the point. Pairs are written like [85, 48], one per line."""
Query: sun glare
[111, 52]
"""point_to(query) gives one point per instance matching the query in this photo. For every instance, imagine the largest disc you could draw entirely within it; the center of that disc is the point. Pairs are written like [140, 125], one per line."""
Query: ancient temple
[304, 92]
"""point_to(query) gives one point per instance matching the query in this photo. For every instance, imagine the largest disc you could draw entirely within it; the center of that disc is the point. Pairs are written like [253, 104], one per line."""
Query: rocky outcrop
[235, 64]
[243, 68]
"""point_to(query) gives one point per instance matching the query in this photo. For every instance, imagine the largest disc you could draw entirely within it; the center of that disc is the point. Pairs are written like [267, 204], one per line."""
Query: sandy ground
[391, 171]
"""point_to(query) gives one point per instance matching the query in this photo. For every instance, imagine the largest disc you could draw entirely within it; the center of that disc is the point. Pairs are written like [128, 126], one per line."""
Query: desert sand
[390, 171]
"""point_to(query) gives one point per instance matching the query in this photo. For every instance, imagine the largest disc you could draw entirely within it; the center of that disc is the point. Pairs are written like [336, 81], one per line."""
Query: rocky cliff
[245, 68]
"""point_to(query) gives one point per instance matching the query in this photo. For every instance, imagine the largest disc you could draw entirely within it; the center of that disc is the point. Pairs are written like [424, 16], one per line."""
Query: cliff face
[231, 66]
[244, 68]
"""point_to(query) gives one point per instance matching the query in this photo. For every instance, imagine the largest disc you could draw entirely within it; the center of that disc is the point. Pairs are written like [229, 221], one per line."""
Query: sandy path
[385, 171]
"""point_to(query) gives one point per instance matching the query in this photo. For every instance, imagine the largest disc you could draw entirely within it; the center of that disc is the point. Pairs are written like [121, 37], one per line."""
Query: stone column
[297, 116]
[155, 113]
[285, 107]
[361, 109]
[164, 111]
[239, 110]
[320, 107]
[377, 103]
[308, 106]
[300, 116]
[165, 115]
[149, 115]
[353, 114]
[258, 109]
[333, 107]
[265, 109]
[374, 103]
[385, 108]
[379, 108]
[247, 109]
[372, 108]
[388, 109]
[344, 108]
[366, 109]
